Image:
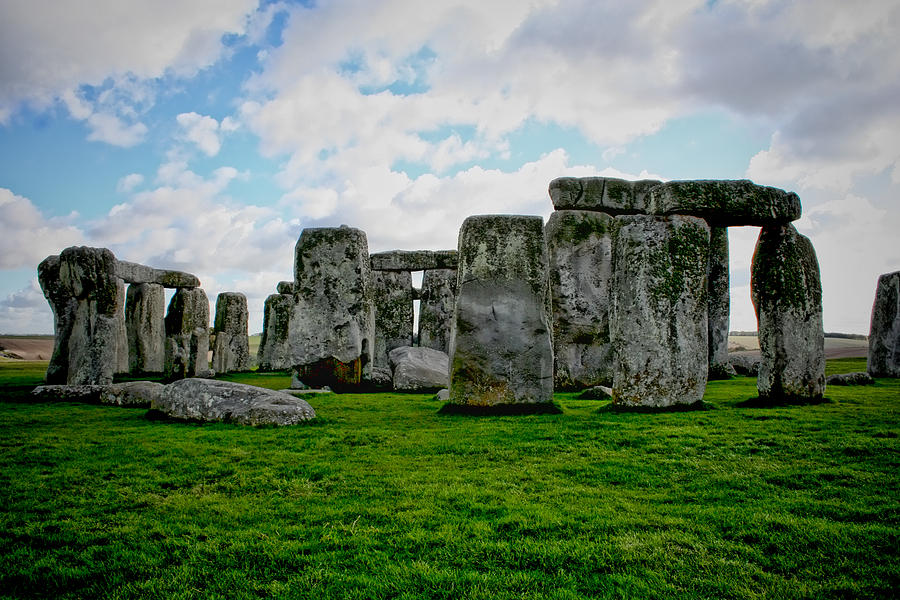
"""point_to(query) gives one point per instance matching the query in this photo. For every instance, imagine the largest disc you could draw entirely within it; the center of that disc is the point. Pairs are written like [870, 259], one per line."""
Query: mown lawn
[384, 498]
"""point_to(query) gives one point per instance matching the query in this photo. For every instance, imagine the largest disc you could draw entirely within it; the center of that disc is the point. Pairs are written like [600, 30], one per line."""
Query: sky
[204, 136]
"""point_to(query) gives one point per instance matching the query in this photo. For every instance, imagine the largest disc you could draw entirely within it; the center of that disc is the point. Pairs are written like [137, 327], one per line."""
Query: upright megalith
[884, 328]
[333, 324]
[436, 303]
[580, 250]
[787, 295]
[393, 295]
[501, 346]
[145, 307]
[274, 352]
[89, 276]
[63, 305]
[231, 349]
[718, 304]
[659, 329]
[187, 334]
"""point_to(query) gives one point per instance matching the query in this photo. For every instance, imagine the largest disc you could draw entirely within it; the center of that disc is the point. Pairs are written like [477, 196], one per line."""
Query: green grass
[385, 498]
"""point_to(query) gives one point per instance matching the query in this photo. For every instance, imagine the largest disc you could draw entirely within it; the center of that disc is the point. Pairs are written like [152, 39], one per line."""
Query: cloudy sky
[205, 135]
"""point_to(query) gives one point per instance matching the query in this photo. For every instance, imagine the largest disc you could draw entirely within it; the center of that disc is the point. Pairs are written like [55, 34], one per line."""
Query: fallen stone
[718, 304]
[187, 335]
[307, 392]
[442, 395]
[414, 260]
[726, 202]
[145, 308]
[231, 350]
[605, 194]
[68, 393]
[380, 379]
[659, 329]
[274, 352]
[884, 328]
[502, 350]
[437, 301]
[580, 251]
[419, 369]
[744, 364]
[137, 273]
[392, 292]
[787, 294]
[223, 401]
[859, 378]
[136, 394]
[598, 392]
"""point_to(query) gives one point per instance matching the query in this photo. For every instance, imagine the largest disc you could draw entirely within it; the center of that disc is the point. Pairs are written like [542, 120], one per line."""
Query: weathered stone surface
[501, 348]
[187, 334]
[745, 364]
[285, 287]
[145, 309]
[659, 329]
[419, 369]
[726, 202]
[122, 359]
[606, 194]
[136, 394]
[580, 249]
[392, 292]
[231, 350]
[884, 328]
[437, 301]
[442, 395]
[274, 352]
[63, 306]
[136, 273]
[68, 393]
[414, 260]
[209, 400]
[598, 392]
[89, 276]
[858, 378]
[333, 324]
[787, 295]
[380, 379]
[719, 304]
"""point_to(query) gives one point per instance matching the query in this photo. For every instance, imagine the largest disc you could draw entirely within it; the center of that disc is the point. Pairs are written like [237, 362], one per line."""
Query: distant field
[834, 347]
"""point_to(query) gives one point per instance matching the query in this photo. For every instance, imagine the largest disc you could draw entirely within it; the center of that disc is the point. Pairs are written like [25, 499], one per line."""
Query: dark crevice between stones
[537, 408]
[675, 408]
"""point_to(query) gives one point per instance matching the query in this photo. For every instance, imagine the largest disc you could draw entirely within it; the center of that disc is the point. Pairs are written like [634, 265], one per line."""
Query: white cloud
[129, 182]
[110, 129]
[26, 311]
[27, 236]
[204, 131]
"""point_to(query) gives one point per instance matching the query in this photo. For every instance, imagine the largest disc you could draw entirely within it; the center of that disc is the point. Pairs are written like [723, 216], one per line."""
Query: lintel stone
[137, 273]
[414, 260]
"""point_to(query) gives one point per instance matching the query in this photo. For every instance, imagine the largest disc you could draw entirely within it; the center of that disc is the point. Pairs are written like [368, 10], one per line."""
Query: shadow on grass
[781, 402]
[644, 410]
[161, 417]
[540, 408]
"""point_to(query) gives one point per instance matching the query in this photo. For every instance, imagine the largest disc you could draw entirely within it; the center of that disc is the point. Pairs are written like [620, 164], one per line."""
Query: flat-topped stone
[884, 328]
[726, 202]
[138, 273]
[606, 194]
[414, 260]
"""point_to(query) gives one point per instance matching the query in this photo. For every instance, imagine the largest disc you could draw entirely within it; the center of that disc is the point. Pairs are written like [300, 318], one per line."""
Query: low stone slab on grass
[419, 369]
[68, 393]
[858, 378]
[135, 394]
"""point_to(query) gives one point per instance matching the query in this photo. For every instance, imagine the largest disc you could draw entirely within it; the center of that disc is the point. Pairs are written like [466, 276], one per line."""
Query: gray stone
[135, 394]
[442, 395]
[380, 379]
[884, 328]
[274, 352]
[718, 304]
[598, 392]
[858, 378]
[89, 276]
[231, 350]
[726, 202]
[745, 364]
[122, 359]
[414, 260]
[392, 292]
[606, 194]
[333, 324]
[787, 295]
[63, 306]
[659, 329]
[187, 334]
[136, 273]
[285, 287]
[501, 346]
[419, 369]
[68, 393]
[145, 309]
[224, 401]
[580, 250]
[437, 301]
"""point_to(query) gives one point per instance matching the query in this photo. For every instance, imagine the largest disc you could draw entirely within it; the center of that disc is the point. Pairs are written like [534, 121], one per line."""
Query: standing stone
[393, 294]
[580, 248]
[63, 305]
[333, 323]
[659, 329]
[89, 276]
[437, 301]
[884, 328]
[231, 351]
[274, 352]
[121, 330]
[187, 334]
[145, 308]
[719, 304]
[787, 295]
[501, 346]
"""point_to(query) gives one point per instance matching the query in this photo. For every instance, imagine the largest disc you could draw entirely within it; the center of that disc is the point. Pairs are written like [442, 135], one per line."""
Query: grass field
[384, 498]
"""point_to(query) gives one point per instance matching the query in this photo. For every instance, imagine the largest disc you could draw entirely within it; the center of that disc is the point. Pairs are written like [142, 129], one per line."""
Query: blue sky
[204, 136]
